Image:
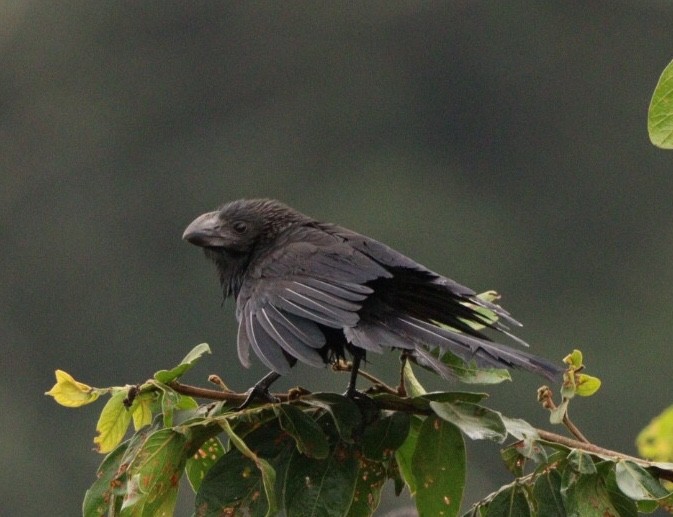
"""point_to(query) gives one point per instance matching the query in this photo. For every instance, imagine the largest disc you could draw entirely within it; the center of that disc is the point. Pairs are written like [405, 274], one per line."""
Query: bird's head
[231, 234]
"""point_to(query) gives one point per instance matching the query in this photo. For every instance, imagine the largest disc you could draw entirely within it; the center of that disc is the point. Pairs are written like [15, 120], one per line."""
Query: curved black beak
[205, 231]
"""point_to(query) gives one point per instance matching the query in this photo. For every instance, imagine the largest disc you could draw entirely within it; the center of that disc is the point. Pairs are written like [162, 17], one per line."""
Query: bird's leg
[351, 392]
[401, 389]
[260, 391]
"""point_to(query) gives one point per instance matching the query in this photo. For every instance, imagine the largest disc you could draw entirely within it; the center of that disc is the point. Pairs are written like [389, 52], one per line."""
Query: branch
[405, 405]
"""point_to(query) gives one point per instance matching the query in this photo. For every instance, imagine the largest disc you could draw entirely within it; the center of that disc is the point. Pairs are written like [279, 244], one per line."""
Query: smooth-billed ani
[310, 291]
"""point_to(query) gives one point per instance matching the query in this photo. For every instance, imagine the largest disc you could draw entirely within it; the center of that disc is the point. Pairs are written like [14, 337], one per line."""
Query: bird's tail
[422, 337]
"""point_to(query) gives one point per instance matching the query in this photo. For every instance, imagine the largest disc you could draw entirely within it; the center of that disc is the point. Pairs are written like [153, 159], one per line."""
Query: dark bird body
[310, 291]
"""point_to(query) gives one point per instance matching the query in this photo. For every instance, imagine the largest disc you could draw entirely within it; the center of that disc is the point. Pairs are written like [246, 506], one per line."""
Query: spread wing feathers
[426, 335]
[281, 321]
[306, 284]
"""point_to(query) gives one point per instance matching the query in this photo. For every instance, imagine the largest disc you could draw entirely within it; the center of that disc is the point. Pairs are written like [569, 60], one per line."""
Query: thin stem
[345, 366]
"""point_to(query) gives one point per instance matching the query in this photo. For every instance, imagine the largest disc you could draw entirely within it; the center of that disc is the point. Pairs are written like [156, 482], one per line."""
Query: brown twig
[345, 366]
[545, 397]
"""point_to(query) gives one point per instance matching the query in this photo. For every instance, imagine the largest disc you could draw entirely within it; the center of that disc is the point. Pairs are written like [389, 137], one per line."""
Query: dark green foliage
[327, 455]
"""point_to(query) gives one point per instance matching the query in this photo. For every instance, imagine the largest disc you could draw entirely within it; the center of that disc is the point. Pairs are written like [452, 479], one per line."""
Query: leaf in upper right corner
[438, 468]
[660, 112]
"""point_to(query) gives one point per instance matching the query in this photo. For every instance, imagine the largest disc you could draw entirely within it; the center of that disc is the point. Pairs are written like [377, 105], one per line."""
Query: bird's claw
[257, 394]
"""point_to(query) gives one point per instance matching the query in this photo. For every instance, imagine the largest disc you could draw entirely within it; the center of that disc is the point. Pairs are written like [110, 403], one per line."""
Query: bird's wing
[427, 281]
[313, 279]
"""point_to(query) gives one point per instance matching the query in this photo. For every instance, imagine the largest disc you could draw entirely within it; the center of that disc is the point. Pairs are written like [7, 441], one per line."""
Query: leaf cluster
[323, 454]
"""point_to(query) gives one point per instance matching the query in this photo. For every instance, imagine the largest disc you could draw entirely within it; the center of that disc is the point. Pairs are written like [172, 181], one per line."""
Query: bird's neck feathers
[231, 267]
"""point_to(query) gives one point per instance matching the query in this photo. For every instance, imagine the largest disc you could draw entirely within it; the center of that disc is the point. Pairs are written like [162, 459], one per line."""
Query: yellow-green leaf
[413, 386]
[660, 112]
[113, 422]
[141, 410]
[587, 385]
[574, 359]
[655, 442]
[71, 393]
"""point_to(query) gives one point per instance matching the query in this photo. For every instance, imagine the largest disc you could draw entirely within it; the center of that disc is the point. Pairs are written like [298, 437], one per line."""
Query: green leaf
[477, 422]
[469, 373]
[384, 436]
[514, 460]
[202, 461]
[518, 428]
[510, 502]
[587, 495]
[660, 113]
[527, 445]
[581, 462]
[344, 412]
[367, 493]
[637, 483]
[169, 402]
[102, 494]
[308, 435]
[452, 396]
[319, 488]
[404, 454]
[574, 359]
[438, 468]
[547, 494]
[625, 506]
[587, 385]
[267, 471]
[107, 493]
[647, 506]
[411, 383]
[141, 409]
[166, 376]
[154, 474]
[113, 422]
[233, 485]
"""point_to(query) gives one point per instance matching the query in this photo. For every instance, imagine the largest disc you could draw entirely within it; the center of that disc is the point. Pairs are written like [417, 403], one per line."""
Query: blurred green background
[503, 144]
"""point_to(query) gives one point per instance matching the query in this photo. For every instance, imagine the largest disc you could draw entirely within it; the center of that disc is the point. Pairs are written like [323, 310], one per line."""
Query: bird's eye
[240, 227]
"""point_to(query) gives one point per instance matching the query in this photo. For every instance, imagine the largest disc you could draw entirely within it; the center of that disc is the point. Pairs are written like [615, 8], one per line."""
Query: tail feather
[470, 348]
[408, 332]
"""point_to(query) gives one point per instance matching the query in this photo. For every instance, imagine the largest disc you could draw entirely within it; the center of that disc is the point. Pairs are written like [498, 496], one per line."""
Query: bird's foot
[257, 394]
[361, 399]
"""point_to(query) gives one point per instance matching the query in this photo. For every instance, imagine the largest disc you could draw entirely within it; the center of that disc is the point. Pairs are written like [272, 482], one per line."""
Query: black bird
[310, 291]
